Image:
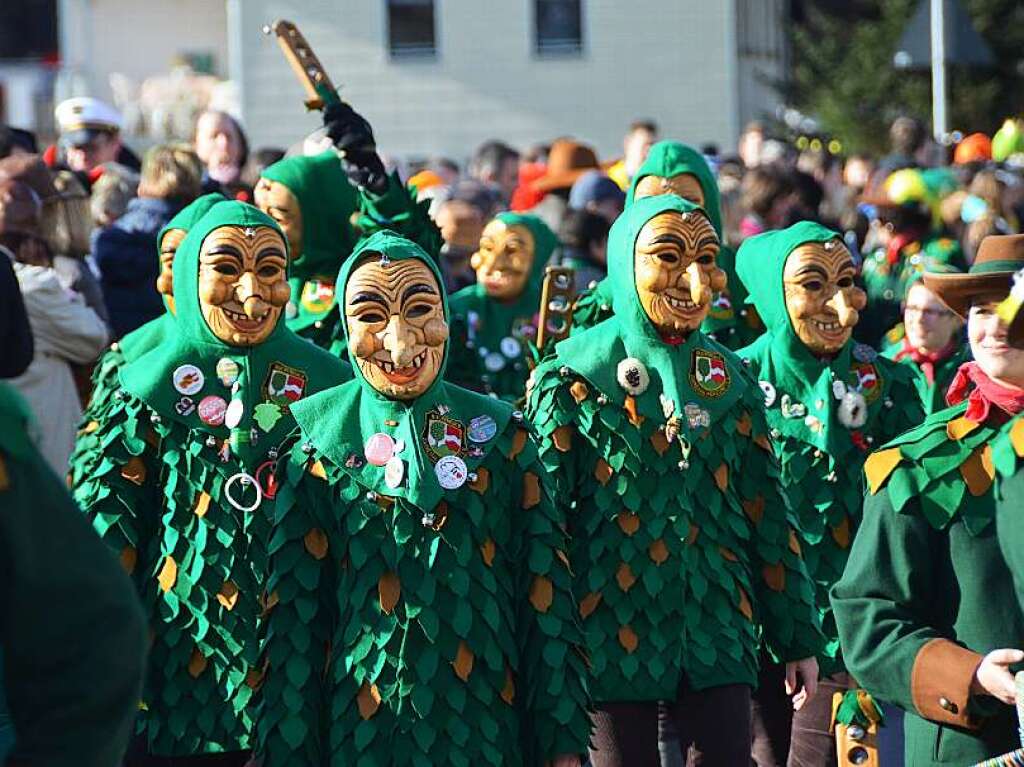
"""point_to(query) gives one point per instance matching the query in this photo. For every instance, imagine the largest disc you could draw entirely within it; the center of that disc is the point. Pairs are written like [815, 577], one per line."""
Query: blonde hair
[171, 172]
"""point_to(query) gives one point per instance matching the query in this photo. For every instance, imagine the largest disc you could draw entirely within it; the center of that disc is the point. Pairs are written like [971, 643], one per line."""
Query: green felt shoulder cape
[684, 556]
[945, 464]
[500, 364]
[450, 626]
[933, 395]
[727, 319]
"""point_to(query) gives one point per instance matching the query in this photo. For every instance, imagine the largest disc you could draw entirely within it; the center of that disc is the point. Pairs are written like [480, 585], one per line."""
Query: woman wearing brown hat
[926, 610]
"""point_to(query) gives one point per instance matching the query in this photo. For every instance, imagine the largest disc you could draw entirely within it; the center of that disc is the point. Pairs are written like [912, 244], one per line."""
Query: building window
[411, 30]
[559, 27]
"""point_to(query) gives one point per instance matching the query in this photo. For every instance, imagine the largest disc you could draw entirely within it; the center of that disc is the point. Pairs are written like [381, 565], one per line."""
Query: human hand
[993, 677]
[805, 672]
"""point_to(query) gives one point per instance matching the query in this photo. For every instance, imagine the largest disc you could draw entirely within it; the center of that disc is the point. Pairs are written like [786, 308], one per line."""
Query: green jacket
[926, 592]
[933, 395]
[821, 457]
[71, 630]
[447, 614]
[159, 497]
[684, 558]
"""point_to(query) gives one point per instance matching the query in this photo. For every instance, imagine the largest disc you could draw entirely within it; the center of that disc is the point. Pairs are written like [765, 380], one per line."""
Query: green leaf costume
[159, 497]
[414, 625]
[932, 394]
[926, 592]
[684, 558]
[499, 334]
[821, 458]
[729, 321]
[71, 630]
[105, 380]
[329, 202]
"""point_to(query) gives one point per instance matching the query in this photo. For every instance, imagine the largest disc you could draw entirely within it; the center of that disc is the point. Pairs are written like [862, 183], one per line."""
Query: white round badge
[233, 416]
[188, 379]
[494, 362]
[510, 347]
[768, 390]
[394, 472]
[451, 472]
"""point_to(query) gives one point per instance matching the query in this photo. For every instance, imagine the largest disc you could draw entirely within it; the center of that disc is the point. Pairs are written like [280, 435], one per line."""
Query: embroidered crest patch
[442, 436]
[709, 375]
[865, 379]
[284, 385]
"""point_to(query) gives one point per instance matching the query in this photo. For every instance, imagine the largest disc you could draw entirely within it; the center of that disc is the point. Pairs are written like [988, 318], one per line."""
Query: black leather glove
[351, 134]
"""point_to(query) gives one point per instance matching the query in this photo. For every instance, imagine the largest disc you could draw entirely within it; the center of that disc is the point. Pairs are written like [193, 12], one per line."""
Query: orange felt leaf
[691, 536]
[602, 471]
[202, 504]
[531, 490]
[754, 509]
[487, 549]
[628, 639]
[659, 442]
[960, 427]
[196, 663]
[579, 391]
[628, 522]
[91, 427]
[722, 477]
[518, 443]
[482, 481]
[253, 678]
[762, 441]
[389, 588]
[624, 576]
[368, 700]
[880, 465]
[134, 471]
[658, 552]
[315, 542]
[794, 543]
[728, 554]
[541, 594]
[463, 663]
[562, 438]
[744, 425]
[151, 438]
[1017, 437]
[128, 559]
[744, 605]
[978, 471]
[168, 574]
[630, 407]
[441, 514]
[841, 533]
[589, 603]
[775, 576]
[508, 692]
[317, 470]
[268, 602]
[228, 595]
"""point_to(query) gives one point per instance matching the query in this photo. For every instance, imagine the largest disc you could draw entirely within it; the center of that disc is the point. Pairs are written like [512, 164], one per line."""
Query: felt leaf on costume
[978, 471]
[168, 574]
[880, 465]
[202, 504]
[135, 471]
[389, 589]
[129, 557]
[228, 595]
[487, 550]
[266, 415]
[463, 663]
[541, 593]
[628, 639]
[368, 700]
[315, 542]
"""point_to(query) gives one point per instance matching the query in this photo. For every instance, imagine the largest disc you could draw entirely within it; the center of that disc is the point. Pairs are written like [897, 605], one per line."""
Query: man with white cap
[90, 135]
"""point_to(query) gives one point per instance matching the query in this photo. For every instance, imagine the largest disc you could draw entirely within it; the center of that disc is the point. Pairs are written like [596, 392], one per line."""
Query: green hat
[671, 158]
[327, 201]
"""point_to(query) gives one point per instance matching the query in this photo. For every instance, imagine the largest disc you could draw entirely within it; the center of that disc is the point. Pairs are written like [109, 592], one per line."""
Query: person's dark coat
[126, 256]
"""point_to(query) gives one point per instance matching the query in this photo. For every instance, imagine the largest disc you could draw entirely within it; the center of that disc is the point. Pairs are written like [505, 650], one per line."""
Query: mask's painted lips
[401, 375]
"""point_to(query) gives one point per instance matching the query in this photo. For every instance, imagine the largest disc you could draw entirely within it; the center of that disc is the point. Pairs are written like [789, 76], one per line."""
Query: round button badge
[378, 449]
[234, 413]
[188, 379]
[451, 472]
[394, 472]
[494, 362]
[510, 347]
[482, 429]
[227, 371]
[212, 410]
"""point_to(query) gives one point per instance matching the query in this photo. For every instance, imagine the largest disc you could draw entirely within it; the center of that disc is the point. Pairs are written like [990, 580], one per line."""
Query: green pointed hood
[596, 353]
[327, 201]
[670, 158]
[151, 376]
[187, 217]
[338, 422]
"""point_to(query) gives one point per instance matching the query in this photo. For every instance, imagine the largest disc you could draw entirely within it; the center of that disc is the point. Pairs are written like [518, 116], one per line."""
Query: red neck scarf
[985, 396]
[925, 360]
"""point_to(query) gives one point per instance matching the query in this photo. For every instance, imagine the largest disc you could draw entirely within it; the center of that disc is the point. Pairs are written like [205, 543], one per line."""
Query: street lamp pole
[939, 126]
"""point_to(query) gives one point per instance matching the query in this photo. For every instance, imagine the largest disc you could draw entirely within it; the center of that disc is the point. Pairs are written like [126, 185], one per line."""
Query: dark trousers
[136, 758]
[787, 738]
[713, 727]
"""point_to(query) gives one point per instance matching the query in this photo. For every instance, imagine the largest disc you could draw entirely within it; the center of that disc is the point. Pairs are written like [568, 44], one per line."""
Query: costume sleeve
[303, 551]
[782, 588]
[398, 211]
[551, 408]
[120, 493]
[73, 633]
[881, 605]
[550, 638]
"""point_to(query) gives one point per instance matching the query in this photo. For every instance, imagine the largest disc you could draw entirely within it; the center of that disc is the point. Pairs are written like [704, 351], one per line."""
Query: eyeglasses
[930, 314]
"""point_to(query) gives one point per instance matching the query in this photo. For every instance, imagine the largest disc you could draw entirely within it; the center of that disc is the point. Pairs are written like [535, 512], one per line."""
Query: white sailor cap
[81, 118]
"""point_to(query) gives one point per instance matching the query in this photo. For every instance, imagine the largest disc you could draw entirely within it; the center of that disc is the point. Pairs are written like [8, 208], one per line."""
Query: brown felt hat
[567, 161]
[1000, 256]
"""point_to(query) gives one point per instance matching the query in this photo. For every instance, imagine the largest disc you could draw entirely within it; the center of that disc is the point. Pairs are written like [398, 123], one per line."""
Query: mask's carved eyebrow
[847, 266]
[223, 248]
[708, 242]
[812, 269]
[669, 239]
[368, 296]
[418, 289]
[271, 252]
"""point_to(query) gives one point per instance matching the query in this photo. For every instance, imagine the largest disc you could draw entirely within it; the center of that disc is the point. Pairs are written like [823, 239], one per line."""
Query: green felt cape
[727, 320]
[1007, 455]
[684, 559]
[820, 457]
[488, 322]
[449, 623]
[933, 395]
[159, 497]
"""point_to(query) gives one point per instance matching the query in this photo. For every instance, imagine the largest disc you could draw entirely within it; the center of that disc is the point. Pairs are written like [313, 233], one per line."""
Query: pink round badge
[378, 449]
[212, 410]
